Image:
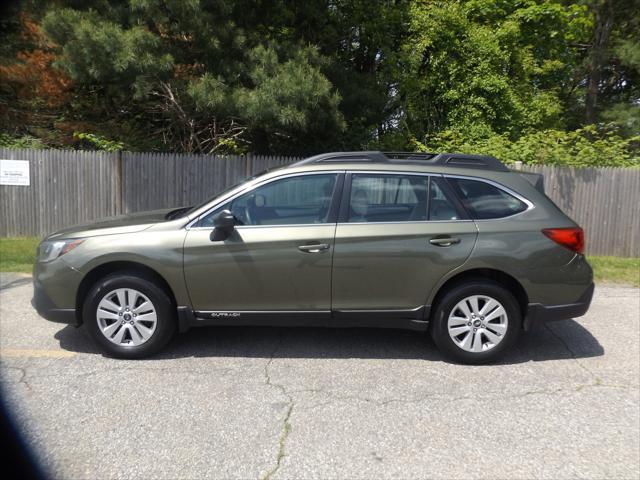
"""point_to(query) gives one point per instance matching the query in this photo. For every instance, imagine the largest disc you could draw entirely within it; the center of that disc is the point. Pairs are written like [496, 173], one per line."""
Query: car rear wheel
[476, 321]
[129, 316]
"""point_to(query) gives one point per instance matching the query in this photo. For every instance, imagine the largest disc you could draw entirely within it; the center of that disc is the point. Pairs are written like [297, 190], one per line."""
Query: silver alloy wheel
[126, 317]
[477, 323]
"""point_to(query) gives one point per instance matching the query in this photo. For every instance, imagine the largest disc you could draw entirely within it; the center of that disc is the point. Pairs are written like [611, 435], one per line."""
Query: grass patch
[616, 270]
[18, 255]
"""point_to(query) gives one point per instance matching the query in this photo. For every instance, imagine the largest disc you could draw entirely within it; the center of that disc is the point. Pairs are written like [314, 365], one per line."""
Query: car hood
[131, 223]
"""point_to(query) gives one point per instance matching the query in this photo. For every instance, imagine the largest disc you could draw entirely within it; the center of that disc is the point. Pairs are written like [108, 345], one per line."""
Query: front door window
[299, 200]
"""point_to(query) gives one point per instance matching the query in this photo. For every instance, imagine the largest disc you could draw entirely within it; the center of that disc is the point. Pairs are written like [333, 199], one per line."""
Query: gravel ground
[313, 403]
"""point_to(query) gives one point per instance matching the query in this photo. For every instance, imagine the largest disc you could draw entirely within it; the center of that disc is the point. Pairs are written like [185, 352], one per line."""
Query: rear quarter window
[484, 200]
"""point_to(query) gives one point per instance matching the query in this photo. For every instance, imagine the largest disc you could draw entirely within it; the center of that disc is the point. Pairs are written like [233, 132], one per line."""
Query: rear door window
[484, 200]
[400, 198]
[387, 198]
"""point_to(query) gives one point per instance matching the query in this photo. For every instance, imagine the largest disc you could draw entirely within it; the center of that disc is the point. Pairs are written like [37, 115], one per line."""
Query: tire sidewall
[440, 332]
[165, 313]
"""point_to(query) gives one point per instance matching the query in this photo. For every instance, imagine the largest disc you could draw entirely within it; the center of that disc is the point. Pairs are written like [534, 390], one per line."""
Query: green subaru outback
[456, 245]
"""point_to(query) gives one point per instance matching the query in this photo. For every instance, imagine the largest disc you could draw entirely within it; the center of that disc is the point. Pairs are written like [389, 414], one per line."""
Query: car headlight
[50, 250]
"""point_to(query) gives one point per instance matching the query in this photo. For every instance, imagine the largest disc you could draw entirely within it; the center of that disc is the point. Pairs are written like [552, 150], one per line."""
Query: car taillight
[571, 238]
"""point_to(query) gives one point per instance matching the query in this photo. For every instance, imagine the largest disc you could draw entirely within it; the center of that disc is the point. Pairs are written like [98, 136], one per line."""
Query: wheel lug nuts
[469, 324]
[475, 329]
[131, 322]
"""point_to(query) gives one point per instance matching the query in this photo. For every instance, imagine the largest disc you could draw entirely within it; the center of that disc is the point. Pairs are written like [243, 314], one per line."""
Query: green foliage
[98, 142]
[481, 62]
[534, 80]
[18, 254]
[26, 141]
[624, 104]
[291, 94]
[585, 147]
[213, 83]
[625, 116]
[96, 49]
[624, 271]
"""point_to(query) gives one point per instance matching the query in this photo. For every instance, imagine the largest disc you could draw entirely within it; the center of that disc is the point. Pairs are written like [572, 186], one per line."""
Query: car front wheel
[476, 322]
[129, 316]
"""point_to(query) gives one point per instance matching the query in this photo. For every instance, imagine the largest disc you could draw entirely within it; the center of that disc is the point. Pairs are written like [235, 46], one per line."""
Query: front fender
[160, 252]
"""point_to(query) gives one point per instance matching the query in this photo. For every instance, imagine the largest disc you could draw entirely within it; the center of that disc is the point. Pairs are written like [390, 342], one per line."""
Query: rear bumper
[538, 314]
[49, 311]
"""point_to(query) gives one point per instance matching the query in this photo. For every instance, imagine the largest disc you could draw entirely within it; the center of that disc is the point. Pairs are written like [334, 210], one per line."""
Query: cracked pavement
[328, 404]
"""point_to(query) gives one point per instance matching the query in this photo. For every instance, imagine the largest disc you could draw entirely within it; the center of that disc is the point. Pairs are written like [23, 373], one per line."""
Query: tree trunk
[603, 23]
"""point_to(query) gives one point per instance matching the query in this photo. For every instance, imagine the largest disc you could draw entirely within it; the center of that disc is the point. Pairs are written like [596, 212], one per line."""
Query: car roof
[482, 166]
[455, 160]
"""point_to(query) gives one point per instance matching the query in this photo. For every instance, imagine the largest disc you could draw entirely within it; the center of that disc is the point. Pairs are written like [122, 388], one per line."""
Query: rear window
[485, 201]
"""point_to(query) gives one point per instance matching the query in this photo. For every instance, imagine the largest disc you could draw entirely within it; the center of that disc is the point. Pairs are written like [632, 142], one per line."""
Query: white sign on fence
[14, 172]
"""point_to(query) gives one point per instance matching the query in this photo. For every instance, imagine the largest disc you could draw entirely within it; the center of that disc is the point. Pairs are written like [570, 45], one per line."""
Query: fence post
[248, 165]
[119, 181]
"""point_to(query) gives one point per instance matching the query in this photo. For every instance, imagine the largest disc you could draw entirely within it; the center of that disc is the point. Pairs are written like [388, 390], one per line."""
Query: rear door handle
[315, 248]
[444, 241]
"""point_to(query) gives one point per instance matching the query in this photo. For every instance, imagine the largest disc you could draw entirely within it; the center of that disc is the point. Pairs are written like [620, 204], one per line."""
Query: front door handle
[315, 248]
[444, 241]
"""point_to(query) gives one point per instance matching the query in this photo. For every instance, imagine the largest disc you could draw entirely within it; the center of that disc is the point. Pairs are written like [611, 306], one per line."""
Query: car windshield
[228, 189]
[183, 212]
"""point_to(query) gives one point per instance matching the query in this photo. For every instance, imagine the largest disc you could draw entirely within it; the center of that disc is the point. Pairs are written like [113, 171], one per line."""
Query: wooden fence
[70, 187]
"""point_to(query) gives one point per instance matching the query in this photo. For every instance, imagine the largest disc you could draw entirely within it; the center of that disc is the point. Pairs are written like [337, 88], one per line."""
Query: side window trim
[195, 224]
[428, 207]
[453, 197]
[336, 198]
[499, 186]
[345, 198]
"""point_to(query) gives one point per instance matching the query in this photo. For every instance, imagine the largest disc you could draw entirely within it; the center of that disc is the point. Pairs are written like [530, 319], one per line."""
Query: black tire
[439, 319]
[165, 313]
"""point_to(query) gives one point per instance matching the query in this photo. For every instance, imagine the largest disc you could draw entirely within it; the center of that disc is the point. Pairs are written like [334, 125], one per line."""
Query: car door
[277, 258]
[398, 234]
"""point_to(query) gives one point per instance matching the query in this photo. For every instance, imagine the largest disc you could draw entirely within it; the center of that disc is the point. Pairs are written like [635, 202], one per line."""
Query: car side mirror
[224, 223]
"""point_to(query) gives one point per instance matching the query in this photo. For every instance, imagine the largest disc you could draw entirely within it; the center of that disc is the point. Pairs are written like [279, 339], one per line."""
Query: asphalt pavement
[246, 403]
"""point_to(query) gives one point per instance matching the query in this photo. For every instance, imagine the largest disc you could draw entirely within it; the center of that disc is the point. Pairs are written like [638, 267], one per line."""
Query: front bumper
[47, 309]
[54, 291]
[538, 314]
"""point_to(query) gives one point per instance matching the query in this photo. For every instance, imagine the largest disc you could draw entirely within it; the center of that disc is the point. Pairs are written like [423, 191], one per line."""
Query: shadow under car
[552, 341]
